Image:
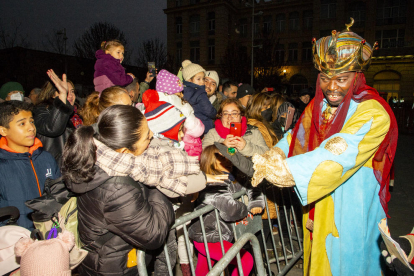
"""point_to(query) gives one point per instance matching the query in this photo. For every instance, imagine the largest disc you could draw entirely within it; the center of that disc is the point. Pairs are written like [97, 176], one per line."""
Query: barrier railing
[290, 253]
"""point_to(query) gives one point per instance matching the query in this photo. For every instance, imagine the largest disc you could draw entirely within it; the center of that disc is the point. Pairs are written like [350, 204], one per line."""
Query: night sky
[138, 19]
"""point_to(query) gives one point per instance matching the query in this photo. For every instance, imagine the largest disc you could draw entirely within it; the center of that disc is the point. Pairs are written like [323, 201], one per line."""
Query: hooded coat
[230, 210]
[53, 125]
[23, 176]
[139, 218]
[196, 96]
[107, 65]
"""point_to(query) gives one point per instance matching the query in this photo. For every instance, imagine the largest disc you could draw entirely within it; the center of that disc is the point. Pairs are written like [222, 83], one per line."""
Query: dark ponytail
[79, 156]
[119, 126]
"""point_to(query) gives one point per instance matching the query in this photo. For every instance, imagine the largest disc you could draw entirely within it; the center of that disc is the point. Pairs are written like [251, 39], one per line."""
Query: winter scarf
[224, 131]
[263, 130]
[158, 166]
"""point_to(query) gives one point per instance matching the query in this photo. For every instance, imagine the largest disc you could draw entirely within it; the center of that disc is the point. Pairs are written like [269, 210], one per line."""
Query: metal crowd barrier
[289, 253]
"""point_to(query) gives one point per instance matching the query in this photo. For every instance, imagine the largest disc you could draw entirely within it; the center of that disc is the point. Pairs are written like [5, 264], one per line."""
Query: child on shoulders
[108, 69]
[195, 94]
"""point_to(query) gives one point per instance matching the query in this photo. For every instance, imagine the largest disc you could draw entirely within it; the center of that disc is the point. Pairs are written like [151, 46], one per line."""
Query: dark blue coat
[18, 181]
[196, 96]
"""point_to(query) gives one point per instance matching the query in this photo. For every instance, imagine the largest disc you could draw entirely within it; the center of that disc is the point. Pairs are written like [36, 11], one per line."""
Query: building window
[195, 51]
[328, 8]
[307, 20]
[267, 24]
[280, 22]
[178, 3]
[179, 54]
[243, 27]
[387, 84]
[280, 53]
[179, 26]
[256, 25]
[390, 38]
[194, 25]
[293, 52]
[211, 51]
[306, 51]
[192, 2]
[391, 12]
[357, 12]
[211, 17]
[294, 21]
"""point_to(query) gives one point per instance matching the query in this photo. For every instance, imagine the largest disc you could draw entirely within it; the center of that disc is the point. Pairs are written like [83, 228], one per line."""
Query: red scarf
[314, 134]
[224, 131]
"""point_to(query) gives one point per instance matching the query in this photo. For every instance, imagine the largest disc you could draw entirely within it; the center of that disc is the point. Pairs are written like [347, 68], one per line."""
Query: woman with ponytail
[97, 102]
[139, 217]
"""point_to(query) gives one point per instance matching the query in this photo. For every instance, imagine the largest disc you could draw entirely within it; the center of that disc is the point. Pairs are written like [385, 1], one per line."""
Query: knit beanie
[214, 76]
[168, 83]
[9, 87]
[162, 117]
[47, 257]
[191, 69]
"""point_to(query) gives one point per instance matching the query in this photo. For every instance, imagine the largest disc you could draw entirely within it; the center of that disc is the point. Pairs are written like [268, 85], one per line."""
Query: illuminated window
[387, 84]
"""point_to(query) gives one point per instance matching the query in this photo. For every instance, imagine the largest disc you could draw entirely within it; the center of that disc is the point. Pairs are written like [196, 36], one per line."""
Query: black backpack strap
[100, 242]
[97, 245]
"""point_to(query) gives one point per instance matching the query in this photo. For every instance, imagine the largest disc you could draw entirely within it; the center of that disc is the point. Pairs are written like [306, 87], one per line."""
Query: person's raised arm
[60, 84]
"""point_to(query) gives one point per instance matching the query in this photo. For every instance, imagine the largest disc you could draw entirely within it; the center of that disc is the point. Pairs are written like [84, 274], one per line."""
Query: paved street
[401, 205]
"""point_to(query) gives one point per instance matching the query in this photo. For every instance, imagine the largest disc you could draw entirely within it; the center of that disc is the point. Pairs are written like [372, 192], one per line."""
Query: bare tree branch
[235, 64]
[86, 45]
[13, 38]
[152, 50]
[54, 43]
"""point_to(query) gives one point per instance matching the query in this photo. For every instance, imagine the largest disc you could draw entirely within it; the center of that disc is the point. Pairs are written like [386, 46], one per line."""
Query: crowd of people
[175, 143]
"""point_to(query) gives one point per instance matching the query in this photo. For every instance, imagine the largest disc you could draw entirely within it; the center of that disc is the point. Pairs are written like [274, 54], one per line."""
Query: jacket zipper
[37, 180]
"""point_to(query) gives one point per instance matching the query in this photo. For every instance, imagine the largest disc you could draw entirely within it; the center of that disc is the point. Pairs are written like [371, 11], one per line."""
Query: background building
[202, 30]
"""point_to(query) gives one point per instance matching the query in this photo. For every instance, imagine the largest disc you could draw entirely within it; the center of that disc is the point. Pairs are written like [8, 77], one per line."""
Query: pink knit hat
[49, 257]
[168, 83]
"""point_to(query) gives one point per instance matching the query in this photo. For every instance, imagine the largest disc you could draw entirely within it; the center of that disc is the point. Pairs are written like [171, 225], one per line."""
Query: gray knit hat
[191, 69]
[213, 75]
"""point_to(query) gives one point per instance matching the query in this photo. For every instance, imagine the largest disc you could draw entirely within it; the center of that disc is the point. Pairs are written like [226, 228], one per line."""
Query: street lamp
[253, 46]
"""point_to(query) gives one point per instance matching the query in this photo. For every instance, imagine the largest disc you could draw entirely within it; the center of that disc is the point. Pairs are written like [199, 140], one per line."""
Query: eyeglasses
[234, 114]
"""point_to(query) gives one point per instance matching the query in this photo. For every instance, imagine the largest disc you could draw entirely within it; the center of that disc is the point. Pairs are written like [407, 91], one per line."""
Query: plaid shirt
[158, 166]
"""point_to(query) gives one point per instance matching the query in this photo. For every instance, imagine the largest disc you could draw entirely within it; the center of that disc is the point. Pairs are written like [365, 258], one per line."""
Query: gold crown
[342, 52]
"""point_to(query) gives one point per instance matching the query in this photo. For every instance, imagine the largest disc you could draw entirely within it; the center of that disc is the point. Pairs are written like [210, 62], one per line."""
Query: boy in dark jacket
[24, 165]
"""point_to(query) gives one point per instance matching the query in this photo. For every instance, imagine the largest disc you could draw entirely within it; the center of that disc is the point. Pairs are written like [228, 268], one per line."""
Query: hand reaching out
[149, 78]
[256, 210]
[217, 178]
[61, 84]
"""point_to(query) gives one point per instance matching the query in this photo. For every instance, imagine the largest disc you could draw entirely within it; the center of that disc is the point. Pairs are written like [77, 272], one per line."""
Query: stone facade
[293, 24]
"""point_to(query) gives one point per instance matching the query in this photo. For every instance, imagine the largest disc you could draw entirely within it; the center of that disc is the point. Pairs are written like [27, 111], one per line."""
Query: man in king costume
[338, 159]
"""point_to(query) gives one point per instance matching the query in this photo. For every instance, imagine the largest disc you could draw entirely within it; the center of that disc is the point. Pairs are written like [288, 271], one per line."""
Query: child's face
[116, 52]
[21, 132]
[198, 79]
[181, 133]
